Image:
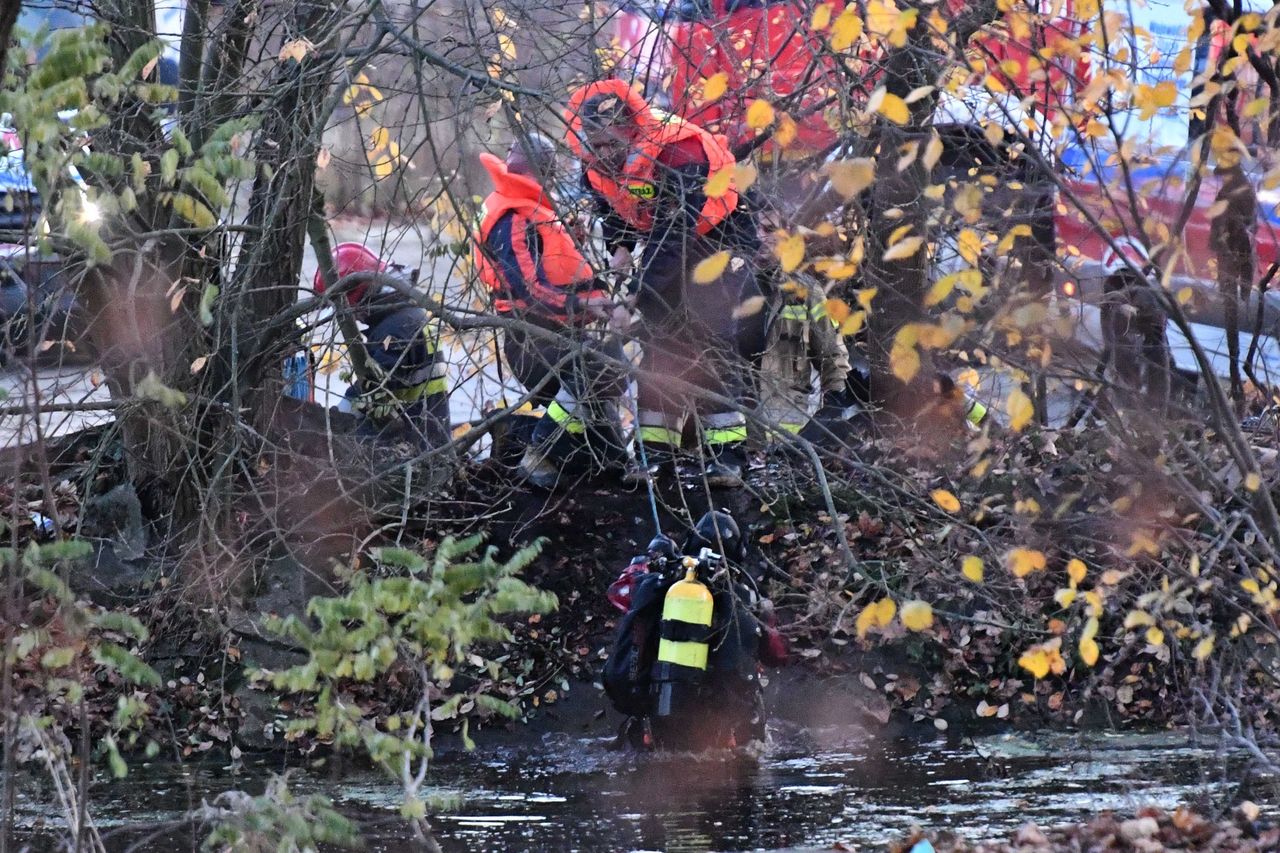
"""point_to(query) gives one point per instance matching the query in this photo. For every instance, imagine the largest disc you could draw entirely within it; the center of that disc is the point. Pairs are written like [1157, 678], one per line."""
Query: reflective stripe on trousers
[724, 428]
[659, 428]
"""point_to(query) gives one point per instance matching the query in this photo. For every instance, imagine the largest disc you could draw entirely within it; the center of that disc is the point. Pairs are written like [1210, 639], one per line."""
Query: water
[807, 789]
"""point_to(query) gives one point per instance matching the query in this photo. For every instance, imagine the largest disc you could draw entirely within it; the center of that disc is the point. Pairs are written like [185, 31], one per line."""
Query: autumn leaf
[1088, 645]
[1138, 619]
[894, 109]
[1024, 561]
[1044, 658]
[744, 176]
[1020, 409]
[846, 29]
[714, 87]
[759, 114]
[932, 152]
[851, 177]
[916, 615]
[903, 249]
[1089, 651]
[1076, 570]
[719, 183]
[297, 50]
[945, 500]
[904, 361]
[1155, 636]
[710, 269]
[1064, 597]
[878, 614]
[821, 17]
[1203, 648]
[971, 568]
[507, 46]
[1252, 482]
[790, 252]
[749, 307]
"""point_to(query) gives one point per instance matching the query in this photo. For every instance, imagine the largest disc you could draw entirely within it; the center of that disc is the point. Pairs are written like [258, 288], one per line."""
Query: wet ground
[809, 789]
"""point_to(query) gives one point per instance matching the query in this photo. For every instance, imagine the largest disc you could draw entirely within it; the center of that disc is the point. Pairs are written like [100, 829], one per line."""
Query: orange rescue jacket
[556, 273]
[631, 194]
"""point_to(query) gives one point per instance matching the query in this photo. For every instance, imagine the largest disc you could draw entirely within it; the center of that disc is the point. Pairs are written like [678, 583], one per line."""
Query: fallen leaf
[971, 568]
[916, 615]
[945, 500]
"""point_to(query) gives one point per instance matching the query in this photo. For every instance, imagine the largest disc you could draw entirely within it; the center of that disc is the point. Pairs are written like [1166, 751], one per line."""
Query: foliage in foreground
[409, 620]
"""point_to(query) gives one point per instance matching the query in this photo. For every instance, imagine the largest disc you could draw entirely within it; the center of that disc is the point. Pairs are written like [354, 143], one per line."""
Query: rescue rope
[648, 481]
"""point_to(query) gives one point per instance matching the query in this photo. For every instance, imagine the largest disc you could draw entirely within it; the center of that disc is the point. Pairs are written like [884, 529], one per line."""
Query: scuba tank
[684, 637]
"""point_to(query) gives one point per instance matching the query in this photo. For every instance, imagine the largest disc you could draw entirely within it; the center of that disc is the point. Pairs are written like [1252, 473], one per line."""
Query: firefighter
[801, 341]
[1133, 325]
[648, 172]
[535, 272]
[403, 342]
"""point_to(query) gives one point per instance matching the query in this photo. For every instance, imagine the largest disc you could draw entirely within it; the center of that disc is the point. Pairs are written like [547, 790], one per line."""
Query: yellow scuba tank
[684, 637]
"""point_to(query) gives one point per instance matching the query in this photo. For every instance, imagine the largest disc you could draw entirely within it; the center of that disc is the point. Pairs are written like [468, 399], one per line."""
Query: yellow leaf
[744, 176]
[1088, 651]
[1090, 629]
[903, 249]
[1203, 648]
[865, 297]
[1020, 409]
[719, 183]
[945, 500]
[507, 46]
[821, 17]
[932, 152]
[846, 30]
[749, 307]
[759, 114]
[837, 310]
[199, 363]
[1185, 295]
[1250, 586]
[875, 615]
[969, 244]
[710, 269]
[971, 568]
[1155, 636]
[904, 361]
[852, 324]
[714, 87]
[790, 252]
[1024, 561]
[1138, 618]
[785, 134]
[1076, 570]
[1064, 597]
[916, 615]
[850, 177]
[1252, 481]
[941, 289]
[894, 109]
[1040, 660]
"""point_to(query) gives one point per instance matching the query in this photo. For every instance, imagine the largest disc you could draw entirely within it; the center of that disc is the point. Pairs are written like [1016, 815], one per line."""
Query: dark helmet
[661, 547]
[719, 532]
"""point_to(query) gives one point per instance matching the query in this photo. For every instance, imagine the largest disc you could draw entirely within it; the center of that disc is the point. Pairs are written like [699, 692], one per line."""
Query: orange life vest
[561, 263]
[631, 193]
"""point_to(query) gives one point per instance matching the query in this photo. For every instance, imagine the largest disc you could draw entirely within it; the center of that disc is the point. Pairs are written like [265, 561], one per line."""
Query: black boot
[727, 465]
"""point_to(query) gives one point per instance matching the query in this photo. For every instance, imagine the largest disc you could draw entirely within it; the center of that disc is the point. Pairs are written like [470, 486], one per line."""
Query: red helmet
[351, 258]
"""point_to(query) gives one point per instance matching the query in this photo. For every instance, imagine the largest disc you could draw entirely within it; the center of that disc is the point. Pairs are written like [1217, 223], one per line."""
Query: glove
[838, 404]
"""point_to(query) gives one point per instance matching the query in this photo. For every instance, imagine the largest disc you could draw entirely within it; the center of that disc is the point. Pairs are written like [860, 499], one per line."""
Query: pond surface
[806, 790]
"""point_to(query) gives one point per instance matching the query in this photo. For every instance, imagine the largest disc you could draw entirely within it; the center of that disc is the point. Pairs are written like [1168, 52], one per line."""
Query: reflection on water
[809, 788]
